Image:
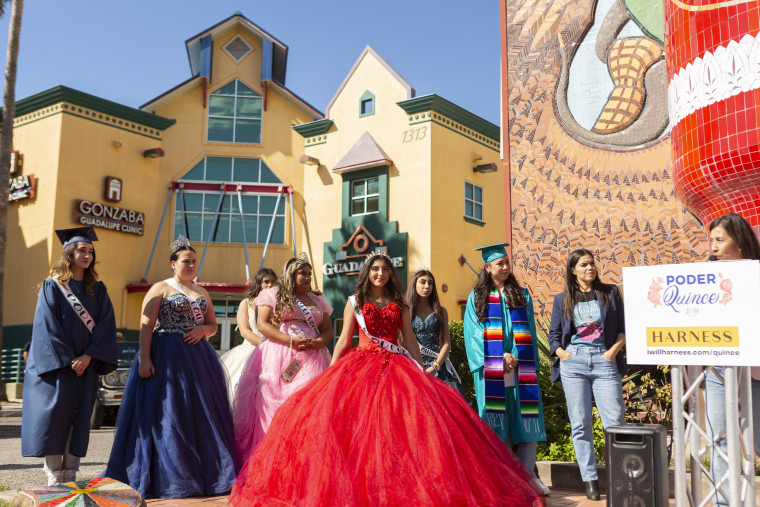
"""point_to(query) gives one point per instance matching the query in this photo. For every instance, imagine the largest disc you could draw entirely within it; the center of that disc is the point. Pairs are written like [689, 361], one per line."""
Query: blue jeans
[715, 395]
[584, 373]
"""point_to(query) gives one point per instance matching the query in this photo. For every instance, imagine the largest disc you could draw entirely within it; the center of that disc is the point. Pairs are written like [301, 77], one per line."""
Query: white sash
[309, 317]
[75, 304]
[197, 313]
[390, 347]
[449, 366]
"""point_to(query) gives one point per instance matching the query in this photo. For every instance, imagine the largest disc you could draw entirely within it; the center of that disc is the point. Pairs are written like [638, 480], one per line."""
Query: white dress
[235, 359]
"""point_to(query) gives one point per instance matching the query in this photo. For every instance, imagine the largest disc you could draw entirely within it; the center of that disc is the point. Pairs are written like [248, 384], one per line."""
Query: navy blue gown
[174, 434]
[57, 402]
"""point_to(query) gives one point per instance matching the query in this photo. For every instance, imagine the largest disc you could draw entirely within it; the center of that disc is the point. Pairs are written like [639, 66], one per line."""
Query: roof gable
[363, 155]
[371, 53]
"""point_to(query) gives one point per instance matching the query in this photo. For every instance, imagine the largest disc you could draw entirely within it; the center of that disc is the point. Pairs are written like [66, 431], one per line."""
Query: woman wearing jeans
[731, 238]
[587, 333]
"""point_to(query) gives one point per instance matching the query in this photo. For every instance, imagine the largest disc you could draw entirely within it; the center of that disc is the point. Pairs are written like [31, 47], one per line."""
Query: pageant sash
[449, 366]
[309, 317]
[75, 304]
[197, 313]
[385, 344]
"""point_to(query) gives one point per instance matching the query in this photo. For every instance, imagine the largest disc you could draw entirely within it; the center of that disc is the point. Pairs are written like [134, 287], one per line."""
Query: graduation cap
[69, 236]
[492, 252]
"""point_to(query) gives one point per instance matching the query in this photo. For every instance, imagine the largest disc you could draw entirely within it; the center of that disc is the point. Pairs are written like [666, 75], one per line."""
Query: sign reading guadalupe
[22, 187]
[693, 313]
[362, 243]
[109, 217]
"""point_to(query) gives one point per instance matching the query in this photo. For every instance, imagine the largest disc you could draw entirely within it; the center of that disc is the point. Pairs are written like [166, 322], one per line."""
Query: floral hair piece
[178, 244]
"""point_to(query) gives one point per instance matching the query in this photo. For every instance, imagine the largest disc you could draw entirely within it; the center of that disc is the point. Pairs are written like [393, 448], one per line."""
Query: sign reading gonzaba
[109, 217]
[344, 256]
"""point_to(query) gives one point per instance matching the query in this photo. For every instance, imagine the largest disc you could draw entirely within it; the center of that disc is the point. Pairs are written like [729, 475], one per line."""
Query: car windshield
[127, 351]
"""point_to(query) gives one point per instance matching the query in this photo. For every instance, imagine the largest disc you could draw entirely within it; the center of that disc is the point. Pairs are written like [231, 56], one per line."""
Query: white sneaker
[545, 490]
[54, 478]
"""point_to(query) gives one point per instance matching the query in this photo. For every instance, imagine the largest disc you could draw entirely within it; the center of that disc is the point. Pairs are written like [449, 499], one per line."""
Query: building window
[367, 104]
[473, 201]
[365, 196]
[258, 209]
[237, 48]
[234, 114]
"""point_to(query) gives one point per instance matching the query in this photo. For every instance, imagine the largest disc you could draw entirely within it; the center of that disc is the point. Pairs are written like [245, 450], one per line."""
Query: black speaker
[637, 466]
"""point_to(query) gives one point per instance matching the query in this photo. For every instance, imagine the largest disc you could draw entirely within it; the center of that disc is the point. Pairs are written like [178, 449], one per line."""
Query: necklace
[586, 295]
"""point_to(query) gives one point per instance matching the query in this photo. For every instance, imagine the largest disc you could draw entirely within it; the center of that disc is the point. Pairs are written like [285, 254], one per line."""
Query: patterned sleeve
[267, 297]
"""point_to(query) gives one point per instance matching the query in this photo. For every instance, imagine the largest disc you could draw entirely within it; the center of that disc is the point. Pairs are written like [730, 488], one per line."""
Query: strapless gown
[174, 434]
[375, 430]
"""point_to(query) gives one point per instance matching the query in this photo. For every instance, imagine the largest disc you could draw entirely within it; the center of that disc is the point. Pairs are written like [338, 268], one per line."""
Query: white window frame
[365, 196]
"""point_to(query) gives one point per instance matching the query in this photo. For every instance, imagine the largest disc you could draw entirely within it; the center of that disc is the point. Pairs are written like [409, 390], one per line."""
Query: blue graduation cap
[69, 236]
[493, 252]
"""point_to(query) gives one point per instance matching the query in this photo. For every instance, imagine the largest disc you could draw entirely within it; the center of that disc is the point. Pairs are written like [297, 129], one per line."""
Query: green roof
[460, 115]
[66, 94]
[313, 128]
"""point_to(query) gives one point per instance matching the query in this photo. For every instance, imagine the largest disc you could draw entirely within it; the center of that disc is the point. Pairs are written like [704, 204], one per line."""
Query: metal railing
[13, 365]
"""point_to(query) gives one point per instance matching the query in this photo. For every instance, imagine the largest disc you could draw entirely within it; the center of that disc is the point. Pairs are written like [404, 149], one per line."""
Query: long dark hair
[741, 232]
[62, 268]
[573, 290]
[485, 284]
[392, 287]
[255, 287]
[412, 296]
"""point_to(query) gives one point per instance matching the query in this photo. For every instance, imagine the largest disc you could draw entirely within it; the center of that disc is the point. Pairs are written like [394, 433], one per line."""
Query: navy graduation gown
[56, 402]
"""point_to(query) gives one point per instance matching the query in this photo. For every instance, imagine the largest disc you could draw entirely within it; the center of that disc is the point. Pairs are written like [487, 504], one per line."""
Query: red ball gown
[376, 430]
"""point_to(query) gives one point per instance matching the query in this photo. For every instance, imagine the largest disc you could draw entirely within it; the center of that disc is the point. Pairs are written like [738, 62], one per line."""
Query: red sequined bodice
[383, 323]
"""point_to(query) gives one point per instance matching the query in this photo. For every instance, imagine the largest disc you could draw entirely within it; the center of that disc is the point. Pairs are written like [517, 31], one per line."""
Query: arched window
[234, 114]
[200, 204]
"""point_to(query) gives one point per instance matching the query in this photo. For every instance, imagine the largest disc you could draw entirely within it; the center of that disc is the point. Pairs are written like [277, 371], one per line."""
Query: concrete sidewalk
[558, 498]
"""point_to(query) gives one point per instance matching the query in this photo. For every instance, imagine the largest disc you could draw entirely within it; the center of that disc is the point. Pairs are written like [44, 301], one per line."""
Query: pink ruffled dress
[261, 390]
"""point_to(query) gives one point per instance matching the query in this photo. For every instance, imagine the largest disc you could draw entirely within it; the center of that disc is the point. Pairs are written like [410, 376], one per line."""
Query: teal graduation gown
[518, 429]
[56, 402]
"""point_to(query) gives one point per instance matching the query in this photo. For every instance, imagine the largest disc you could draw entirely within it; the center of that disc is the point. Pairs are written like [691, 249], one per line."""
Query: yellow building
[418, 176]
[230, 157]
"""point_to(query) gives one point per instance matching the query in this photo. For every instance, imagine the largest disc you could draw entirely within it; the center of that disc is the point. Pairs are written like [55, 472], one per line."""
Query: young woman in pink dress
[296, 323]
[376, 430]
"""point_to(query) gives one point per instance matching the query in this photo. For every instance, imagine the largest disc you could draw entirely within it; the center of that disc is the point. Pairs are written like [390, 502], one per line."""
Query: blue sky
[130, 52]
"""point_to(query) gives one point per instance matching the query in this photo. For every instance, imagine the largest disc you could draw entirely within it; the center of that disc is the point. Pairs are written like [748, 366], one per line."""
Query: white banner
[706, 313]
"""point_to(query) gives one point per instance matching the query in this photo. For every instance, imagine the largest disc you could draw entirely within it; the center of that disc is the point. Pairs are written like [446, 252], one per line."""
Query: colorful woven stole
[527, 379]
[493, 371]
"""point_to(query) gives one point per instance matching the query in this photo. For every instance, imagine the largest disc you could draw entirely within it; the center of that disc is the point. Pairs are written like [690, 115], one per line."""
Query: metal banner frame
[689, 435]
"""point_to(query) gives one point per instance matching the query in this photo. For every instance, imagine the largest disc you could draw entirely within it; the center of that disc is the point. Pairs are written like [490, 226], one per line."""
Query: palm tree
[6, 138]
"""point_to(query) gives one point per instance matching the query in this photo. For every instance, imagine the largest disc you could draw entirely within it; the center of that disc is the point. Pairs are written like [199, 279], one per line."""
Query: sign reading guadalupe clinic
[110, 217]
[703, 313]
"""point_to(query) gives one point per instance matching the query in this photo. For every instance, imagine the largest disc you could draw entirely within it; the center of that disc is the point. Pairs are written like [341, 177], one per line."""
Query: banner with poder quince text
[693, 314]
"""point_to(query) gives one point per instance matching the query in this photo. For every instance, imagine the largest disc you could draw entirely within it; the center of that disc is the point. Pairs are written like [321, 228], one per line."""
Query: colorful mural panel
[587, 130]
[714, 94]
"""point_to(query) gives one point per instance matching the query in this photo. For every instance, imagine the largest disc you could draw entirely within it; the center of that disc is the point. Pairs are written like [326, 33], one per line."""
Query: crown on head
[422, 268]
[378, 253]
[178, 244]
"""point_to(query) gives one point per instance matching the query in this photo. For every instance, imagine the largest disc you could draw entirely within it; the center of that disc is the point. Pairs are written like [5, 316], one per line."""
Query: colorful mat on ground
[100, 492]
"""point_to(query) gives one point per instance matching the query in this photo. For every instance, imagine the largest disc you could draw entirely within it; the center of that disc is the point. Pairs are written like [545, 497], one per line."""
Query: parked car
[111, 388]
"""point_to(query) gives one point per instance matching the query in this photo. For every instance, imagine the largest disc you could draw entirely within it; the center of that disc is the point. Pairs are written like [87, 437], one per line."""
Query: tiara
[423, 268]
[178, 244]
[378, 253]
[300, 259]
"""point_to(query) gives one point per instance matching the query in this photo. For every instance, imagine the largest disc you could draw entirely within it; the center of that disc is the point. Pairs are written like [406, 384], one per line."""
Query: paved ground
[17, 472]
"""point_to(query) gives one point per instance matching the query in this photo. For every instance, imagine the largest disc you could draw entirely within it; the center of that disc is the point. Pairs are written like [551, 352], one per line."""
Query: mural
[714, 94]
[589, 150]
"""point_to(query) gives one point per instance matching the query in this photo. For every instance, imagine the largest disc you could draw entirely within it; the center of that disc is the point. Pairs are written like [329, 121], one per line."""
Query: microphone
[712, 258]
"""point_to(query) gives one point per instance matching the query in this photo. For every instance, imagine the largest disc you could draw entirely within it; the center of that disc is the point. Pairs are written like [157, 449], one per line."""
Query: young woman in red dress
[375, 429]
